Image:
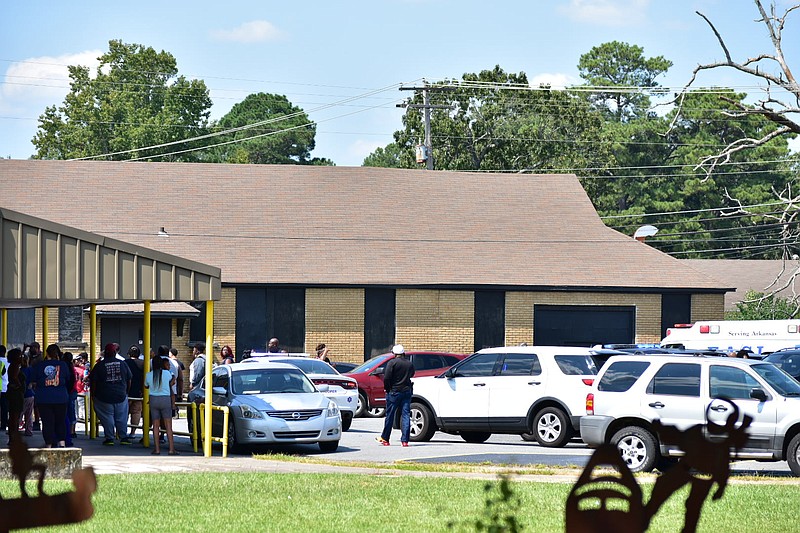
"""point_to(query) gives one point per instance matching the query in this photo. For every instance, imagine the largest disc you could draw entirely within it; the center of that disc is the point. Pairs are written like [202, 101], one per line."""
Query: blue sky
[332, 58]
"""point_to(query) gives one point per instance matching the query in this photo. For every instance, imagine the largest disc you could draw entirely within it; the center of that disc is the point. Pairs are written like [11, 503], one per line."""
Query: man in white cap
[398, 386]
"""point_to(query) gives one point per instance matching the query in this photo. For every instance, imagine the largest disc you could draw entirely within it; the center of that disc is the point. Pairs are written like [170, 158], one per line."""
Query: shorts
[160, 407]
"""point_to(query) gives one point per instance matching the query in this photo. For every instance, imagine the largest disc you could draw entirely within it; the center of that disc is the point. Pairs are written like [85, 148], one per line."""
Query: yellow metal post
[45, 326]
[195, 423]
[146, 396]
[92, 361]
[4, 327]
[209, 356]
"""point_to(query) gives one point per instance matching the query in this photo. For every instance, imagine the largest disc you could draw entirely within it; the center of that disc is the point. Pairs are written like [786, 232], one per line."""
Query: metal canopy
[49, 264]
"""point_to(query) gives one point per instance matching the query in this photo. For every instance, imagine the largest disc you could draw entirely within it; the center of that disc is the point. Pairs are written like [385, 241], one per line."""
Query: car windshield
[779, 380]
[309, 366]
[576, 365]
[369, 365]
[789, 362]
[270, 381]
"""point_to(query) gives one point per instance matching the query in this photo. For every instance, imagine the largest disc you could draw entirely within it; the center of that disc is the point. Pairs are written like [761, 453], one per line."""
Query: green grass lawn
[298, 503]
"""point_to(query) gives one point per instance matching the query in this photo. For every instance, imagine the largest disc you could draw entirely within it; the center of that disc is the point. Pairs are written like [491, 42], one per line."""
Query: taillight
[705, 328]
[590, 404]
[588, 381]
[343, 384]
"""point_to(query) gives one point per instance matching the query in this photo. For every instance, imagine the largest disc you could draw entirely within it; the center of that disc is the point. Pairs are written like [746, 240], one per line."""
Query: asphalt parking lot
[357, 446]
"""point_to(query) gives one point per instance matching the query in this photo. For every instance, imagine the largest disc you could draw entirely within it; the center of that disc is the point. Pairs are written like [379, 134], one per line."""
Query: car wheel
[528, 437]
[376, 412]
[638, 449]
[551, 427]
[233, 445]
[422, 424]
[328, 446]
[347, 420]
[793, 455]
[475, 437]
[361, 407]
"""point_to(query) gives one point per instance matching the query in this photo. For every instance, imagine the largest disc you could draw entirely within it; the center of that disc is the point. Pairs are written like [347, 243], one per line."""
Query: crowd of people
[47, 391]
[40, 392]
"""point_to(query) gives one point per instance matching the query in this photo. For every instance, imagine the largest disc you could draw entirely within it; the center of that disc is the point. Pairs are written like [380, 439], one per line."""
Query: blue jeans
[113, 417]
[395, 401]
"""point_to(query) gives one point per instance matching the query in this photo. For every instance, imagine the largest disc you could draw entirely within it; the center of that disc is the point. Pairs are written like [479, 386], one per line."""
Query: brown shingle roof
[761, 275]
[350, 226]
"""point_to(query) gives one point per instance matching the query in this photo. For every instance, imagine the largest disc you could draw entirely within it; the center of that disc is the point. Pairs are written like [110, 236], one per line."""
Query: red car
[369, 375]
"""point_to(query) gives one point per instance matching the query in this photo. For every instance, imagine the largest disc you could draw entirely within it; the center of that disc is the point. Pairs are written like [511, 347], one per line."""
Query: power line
[231, 130]
[707, 210]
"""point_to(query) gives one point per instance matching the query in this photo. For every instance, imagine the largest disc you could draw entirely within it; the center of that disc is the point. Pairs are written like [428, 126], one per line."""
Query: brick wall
[224, 322]
[335, 317]
[708, 307]
[425, 318]
[52, 327]
[435, 320]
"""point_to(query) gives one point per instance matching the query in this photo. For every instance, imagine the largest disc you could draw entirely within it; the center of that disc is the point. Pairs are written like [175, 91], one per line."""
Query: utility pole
[426, 106]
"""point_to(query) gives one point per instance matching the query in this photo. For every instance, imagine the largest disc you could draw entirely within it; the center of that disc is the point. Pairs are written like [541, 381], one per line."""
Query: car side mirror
[758, 394]
[323, 388]
[450, 373]
[378, 372]
[219, 390]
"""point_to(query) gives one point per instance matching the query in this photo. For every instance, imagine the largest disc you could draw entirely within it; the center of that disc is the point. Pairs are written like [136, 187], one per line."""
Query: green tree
[386, 157]
[619, 67]
[270, 130]
[656, 159]
[493, 120]
[760, 306]
[136, 99]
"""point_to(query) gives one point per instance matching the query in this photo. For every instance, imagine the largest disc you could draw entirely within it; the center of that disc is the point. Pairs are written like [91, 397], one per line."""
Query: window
[576, 365]
[677, 379]
[450, 360]
[222, 380]
[70, 324]
[197, 325]
[426, 362]
[520, 364]
[730, 382]
[621, 375]
[478, 365]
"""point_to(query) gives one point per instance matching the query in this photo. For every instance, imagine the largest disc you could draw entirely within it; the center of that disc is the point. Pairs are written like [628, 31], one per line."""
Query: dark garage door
[583, 325]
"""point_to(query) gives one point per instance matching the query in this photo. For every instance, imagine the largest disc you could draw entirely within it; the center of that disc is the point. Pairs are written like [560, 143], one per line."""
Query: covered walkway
[46, 265]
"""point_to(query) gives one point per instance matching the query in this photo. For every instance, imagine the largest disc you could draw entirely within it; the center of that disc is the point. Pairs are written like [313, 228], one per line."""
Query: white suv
[525, 390]
[632, 392]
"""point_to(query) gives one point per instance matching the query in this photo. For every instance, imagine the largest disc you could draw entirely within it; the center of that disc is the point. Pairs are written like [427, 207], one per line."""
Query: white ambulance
[758, 336]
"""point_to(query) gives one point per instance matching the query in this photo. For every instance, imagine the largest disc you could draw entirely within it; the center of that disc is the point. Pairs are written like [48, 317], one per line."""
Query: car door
[673, 396]
[373, 383]
[736, 384]
[462, 398]
[519, 381]
[220, 378]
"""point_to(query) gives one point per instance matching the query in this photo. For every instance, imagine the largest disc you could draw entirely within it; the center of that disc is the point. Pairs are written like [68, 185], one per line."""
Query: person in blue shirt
[159, 381]
[52, 382]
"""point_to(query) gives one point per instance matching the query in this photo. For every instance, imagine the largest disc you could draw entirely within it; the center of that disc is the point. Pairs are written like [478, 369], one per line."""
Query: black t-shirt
[398, 374]
[136, 366]
[109, 380]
